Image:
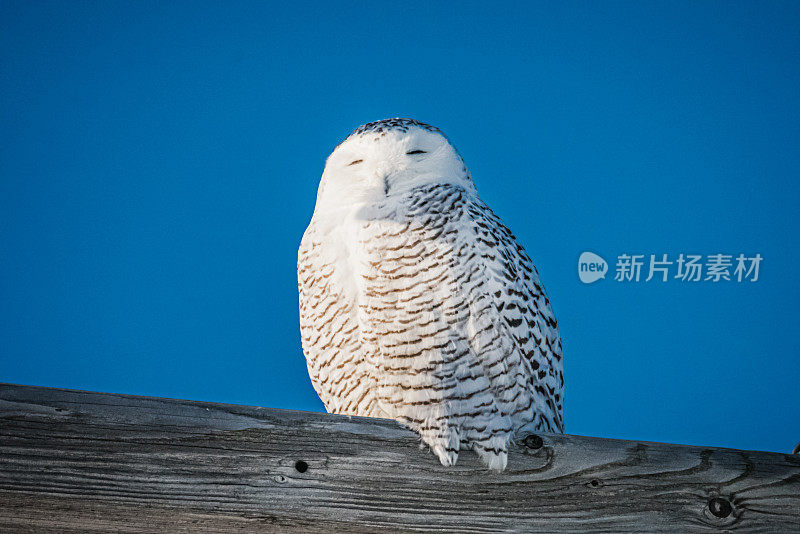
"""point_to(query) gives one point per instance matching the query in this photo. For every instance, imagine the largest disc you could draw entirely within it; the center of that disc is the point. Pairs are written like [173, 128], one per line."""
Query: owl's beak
[382, 175]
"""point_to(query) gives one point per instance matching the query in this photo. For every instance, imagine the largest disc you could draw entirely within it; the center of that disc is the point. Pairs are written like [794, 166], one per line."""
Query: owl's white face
[380, 161]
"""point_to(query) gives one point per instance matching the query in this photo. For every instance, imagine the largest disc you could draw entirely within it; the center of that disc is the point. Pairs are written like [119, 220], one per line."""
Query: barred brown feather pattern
[341, 370]
[437, 319]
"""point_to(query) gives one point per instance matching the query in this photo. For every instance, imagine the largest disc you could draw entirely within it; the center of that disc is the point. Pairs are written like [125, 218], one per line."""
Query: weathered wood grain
[76, 461]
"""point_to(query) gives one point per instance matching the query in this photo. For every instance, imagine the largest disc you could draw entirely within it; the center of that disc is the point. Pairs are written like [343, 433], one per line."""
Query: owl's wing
[466, 343]
[341, 371]
[523, 311]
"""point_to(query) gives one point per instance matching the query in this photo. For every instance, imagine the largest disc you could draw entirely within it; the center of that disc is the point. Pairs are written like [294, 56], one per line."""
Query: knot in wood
[720, 507]
[301, 466]
[532, 441]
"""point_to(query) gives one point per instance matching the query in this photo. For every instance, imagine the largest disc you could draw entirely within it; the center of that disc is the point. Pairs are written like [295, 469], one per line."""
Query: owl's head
[384, 159]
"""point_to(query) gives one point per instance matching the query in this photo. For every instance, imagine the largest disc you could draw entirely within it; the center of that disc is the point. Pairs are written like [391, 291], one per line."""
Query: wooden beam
[80, 461]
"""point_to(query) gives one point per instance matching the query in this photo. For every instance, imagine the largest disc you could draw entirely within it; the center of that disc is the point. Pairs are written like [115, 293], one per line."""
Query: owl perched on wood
[418, 304]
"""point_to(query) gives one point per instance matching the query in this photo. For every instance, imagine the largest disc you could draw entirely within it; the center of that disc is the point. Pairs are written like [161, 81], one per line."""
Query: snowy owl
[417, 303]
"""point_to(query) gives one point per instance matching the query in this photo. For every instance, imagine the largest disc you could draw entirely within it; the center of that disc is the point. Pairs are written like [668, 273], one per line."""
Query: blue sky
[159, 163]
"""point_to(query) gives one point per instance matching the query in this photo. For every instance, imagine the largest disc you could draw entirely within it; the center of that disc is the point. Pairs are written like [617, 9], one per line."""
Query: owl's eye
[356, 162]
[412, 152]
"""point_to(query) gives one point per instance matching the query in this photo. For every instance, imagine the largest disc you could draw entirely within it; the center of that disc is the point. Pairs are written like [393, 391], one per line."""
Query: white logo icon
[591, 267]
